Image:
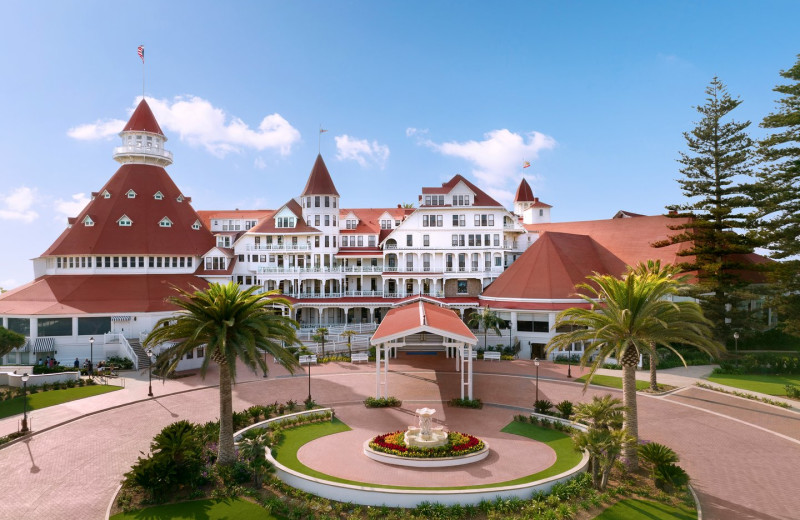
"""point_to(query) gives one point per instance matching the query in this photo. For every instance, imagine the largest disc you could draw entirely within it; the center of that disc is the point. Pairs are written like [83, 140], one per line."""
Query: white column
[461, 376]
[386, 371]
[377, 371]
[469, 365]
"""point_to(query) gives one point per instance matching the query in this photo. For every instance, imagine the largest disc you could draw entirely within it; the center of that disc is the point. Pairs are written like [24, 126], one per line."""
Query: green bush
[565, 408]
[792, 392]
[542, 406]
[122, 363]
[382, 402]
[466, 403]
[670, 477]
[767, 363]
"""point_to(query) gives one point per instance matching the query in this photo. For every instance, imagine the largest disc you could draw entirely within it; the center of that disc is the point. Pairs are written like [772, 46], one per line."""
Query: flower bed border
[426, 462]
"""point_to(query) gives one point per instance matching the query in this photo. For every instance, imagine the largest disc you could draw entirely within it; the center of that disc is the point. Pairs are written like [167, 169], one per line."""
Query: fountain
[425, 436]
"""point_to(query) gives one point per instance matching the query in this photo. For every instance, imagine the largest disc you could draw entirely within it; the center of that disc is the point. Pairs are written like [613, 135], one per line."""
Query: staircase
[143, 358]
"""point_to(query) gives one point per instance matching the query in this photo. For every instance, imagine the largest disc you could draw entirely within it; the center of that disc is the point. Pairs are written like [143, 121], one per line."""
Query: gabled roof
[481, 198]
[145, 236]
[143, 120]
[97, 294]
[626, 214]
[267, 225]
[422, 317]
[319, 181]
[524, 192]
[369, 218]
[552, 266]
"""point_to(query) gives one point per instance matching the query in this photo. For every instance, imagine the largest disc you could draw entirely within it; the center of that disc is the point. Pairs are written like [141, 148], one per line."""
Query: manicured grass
[770, 385]
[632, 509]
[566, 456]
[227, 509]
[41, 400]
[613, 382]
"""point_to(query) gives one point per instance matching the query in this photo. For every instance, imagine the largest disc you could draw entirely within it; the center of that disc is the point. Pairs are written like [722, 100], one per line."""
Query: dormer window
[158, 195]
[87, 221]
[165, 222]
[196, 225]
[351, 223]
[460, 200]
[124, 221]
[131, 194]
[285, 222]
[180, 198]
[106, 194]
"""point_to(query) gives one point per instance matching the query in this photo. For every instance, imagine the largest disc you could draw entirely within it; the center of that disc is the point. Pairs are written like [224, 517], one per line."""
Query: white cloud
[70, 208]
[197, 122]
[497, 159]
[97, 130]
[361, 151]
[17, 205]
[260, 163]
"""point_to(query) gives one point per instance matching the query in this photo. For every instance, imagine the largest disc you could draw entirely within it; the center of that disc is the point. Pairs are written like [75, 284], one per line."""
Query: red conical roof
[145, 236]
[524, 192]
[319, 182]
[143, 120]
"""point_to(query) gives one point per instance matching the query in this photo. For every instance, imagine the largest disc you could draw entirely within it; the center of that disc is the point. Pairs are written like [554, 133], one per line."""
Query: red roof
[422, 317]
[369, 219]
[206, 216]
[524, 192]
[481, 198]
[145, 236]
[143, 120]
[319, 182]
[552, 266]
[96, 294]
[267, 225]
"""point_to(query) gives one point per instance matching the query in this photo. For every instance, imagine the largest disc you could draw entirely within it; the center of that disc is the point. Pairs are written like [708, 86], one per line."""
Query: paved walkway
[742, 455]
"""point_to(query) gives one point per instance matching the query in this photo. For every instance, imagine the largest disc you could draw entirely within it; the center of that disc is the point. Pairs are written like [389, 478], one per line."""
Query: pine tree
[719, 156]
[776, 197]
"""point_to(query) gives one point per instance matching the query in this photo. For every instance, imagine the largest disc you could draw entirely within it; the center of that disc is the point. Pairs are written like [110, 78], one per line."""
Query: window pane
[55, 327]
[20, 325]
[94, 326]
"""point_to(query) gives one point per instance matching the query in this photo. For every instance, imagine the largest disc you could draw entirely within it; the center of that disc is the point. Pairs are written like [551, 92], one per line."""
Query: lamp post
[91, 356]
[736, 345]
[536, 362]
[569, 362]
[25, 377]
[309, 381]
[149, 352]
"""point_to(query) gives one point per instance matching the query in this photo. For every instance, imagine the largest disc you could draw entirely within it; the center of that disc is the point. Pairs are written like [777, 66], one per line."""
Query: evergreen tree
[776, 197]
[719, 156]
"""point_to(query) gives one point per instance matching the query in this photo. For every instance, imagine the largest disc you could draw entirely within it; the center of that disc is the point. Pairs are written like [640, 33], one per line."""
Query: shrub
[565, 408]
[657, 454]
[542, 406]
[382, 402]
[122, 363]
[670, 477]
[792, 392]
[466, 403]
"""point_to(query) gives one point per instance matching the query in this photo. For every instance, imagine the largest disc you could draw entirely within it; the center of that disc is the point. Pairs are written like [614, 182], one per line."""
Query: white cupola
[142, 140]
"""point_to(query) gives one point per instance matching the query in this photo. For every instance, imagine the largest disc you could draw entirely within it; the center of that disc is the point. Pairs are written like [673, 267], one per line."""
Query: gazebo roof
[423, 317]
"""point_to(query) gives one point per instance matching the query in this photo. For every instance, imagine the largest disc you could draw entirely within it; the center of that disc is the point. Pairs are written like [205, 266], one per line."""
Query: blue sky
[595, 95]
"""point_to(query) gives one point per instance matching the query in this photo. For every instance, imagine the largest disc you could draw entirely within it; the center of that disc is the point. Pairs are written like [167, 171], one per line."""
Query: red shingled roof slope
[97, 294]
[524, 192]
[268, 225]
[551, 267]
[143, 120]
[319, 181]
[145, 236]
[206, 216]
[408, 319]
[481, 198]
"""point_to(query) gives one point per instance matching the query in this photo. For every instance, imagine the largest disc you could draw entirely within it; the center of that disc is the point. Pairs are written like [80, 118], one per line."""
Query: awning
[44, 345]
[120, 318]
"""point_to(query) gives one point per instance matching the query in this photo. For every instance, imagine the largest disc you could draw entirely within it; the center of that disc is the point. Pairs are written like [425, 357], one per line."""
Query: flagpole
[319, 140]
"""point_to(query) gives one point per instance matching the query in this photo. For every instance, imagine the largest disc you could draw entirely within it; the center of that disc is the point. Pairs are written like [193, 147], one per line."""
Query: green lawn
[613, 382]
[228, 509]
[566, 456]
[41, 400]
[632, 509]
[770, 385]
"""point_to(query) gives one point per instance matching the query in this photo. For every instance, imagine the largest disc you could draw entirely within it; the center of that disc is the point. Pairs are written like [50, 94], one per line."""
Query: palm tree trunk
[226, 453]
[653, 365]
[629, 361]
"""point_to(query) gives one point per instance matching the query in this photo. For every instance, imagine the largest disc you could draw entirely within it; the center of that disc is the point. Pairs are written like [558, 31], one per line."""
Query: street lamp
[736, 345]
[91, 355]
[149, 353]
[309, 381]
[536, 362]
[569, 361]
[25, 378]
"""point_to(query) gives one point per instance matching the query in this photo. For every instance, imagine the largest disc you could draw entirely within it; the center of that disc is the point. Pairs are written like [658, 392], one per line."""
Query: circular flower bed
[458, 444]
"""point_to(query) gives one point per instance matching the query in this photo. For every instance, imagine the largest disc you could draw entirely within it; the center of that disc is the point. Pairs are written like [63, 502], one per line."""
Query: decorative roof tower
[142, 140]
[530, 208]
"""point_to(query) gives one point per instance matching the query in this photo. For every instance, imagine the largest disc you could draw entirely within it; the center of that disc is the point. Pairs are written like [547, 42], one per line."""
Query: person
[40, 363]
[90, 369]
[47, 361]
[77, 363]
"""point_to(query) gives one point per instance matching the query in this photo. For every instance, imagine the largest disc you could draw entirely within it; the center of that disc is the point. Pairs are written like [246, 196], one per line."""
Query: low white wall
[372, 496]
[281, 418]
[15, 380]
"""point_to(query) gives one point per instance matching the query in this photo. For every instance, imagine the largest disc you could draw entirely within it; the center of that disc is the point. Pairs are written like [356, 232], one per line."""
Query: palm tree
[486, 319]
[349, 333]
[601, 413]
[627, 316]
[604, 439]
[232, 325]
[320, 337]
[9, 340]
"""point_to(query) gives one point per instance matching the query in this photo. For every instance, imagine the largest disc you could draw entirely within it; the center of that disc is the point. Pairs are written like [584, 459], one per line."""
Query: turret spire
[142, 139]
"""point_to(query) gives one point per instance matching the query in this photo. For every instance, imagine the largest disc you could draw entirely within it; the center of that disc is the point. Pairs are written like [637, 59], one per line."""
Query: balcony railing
[138, 150]
[298, 270]
[278, 247]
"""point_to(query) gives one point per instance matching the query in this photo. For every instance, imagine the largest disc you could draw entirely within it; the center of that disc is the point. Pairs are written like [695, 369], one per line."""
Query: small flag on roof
[526, 164]
[140, 51]
[323, 130]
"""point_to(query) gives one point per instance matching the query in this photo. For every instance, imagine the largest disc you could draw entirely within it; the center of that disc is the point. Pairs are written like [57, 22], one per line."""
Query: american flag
[140, 50]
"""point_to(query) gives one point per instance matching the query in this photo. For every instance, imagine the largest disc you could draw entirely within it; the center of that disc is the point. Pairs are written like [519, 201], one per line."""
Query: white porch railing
[111, 338]
[279, 247]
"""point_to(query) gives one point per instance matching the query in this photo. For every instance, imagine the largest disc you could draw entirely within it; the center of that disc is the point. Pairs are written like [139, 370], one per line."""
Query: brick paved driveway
[741, 469]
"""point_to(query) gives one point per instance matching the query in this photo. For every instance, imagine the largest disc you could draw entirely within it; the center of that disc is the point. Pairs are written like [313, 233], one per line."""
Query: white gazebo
[428, 327]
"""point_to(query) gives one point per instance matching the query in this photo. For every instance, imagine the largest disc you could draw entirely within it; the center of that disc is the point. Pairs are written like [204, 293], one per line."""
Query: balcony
[159, 154]
[279, 247]
[298, 270]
